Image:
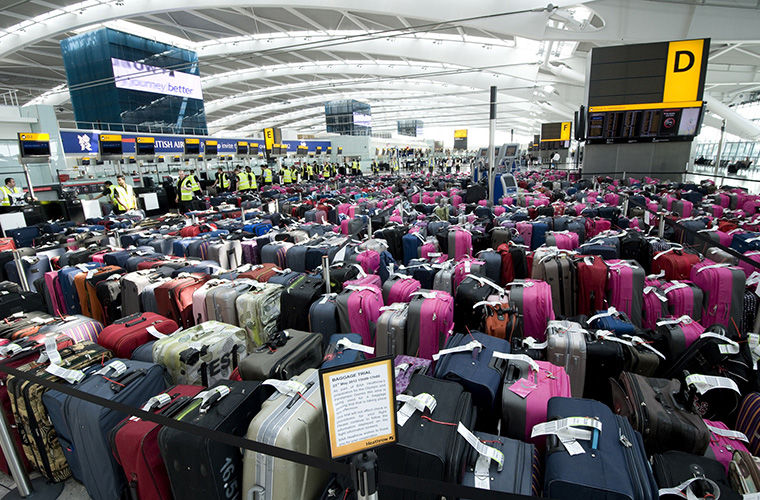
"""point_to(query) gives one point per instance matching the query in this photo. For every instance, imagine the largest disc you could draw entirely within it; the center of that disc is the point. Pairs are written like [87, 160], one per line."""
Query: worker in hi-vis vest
[222, 182]
[187, 187]
[243, 181]
[252, 185]
[123, 196]
[285, 174]
[13, 196]
[268, 175]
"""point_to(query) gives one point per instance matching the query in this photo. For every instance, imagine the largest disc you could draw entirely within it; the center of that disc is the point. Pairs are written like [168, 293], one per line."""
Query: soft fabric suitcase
[433, 450]
[675, 262]
[723, 286]
[284, 355]
[358, 311]
[295, 422]
[625, 288]
[123, 381]
[404, 369]
[479, 371]
[519, 474]
[199, 467]
[566, 347]
[258, 311]
[533, 301]
[459, 243]
[202, 354]
[470, 292]
[723, 443]
[34, 267]
[124, 335]
[295, 258]
[337, 354]
[528, 387]
[399, 288]
[296, 300]
[748, 421]
[559, 272]
[673, 469]
[430, 322]
[592, 284]
[390, 335]
[623, 473]
[744, 473]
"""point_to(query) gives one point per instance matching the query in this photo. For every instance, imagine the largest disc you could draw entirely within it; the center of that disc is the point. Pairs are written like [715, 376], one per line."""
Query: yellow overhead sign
[212, 143]
[269, 137]
[146, 140]
[192, 141]
[460, 133]
[683, 71]
[110, 138]
[34, 137]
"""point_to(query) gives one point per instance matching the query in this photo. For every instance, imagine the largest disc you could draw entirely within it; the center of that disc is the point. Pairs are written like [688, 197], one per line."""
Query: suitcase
[433, 450]
[201, 355]
[45, 445]
[221, 300]
[748, 423]
[560, 273]
[657, 409]
[675, 335]
[228, 253]
[199, 467]
[404, 369]
[339, 355]
[258, 311]
[295, 422]
[430, 323]
[673, 468]
[131, 384]
[566, 347]
[323, 317]
[390, 335]
[470, 292]
[744, 473]
[528, 387]
[296, 300]
[519, 474]
[623, 473]
[399, 288]
[675, 262]
[723, 286]
[479, 371]
[358, 311]
[723, 443]
[533, 301]
[284, 355]
[592, 283]
[625, 288]
[295, 258]
[135, 444]
[124, 335]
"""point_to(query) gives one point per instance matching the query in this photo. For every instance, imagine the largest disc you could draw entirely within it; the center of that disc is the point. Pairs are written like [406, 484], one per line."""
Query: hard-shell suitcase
[132, 285]
[221, 300]
[744, 473]
[200, 312]
[566, 347]
[34, 267]
[528, 387]
[202, 354]
[623, 473]
[518, 475]
[228, 253]
[592, 284]
[122, 381]
[479, 370]
[432, 450]
[673, 469]
[294, 422]
[258, 311]
[124, 335]
[390, 335]
[560, 273]
[135, 444]
[199, 467]
[284, 355]
[323, 317]
[66, 278]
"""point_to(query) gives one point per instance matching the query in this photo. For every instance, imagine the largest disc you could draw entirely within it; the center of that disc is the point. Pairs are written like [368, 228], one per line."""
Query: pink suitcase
[344, 226]
[56, 294]
[625, 288]
[429, 322]
[401, 290]
[717, 210]
[723, 286]
[564, 240]
[525, 229]
[369, 260]
[456, 200]
[748, 268]
[499, 210]
[429, 247]
[358, 310]
[416, 198]
[723, 442]
[460, 243]
[533, 300]
[612, 199]
[684, 299]
[369, 280]
[655, 305]
[464, 267]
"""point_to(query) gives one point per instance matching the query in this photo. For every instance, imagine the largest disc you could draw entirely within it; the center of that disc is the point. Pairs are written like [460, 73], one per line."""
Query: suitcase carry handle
[123, 381]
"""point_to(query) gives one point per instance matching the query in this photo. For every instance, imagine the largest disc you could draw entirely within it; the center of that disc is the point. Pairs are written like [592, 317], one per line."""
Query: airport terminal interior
[349, 250]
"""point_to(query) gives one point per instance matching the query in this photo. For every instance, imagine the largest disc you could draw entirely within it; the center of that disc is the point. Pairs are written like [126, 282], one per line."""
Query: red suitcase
[135, 445]
[175, 297]
[127, 334]
[675, 262]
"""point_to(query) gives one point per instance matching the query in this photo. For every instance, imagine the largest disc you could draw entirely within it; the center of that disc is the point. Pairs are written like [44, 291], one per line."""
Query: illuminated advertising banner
[144, 78]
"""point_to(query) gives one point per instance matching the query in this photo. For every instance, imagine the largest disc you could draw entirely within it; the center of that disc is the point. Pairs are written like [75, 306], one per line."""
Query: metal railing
[9, 97]
[133, 128]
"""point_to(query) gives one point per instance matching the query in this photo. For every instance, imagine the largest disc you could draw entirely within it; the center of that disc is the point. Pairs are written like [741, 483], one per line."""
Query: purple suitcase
[406, 366]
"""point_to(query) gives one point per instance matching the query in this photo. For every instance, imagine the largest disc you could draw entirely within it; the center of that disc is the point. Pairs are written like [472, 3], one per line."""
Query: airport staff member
[355, 168]
[286, 176]
[555, 160]
[123, 196]
[243, 180]
[266, 173]
[222, 182]
[187, 186]
[326, 171]
[252, 185]
[13, 196]
[309, 172]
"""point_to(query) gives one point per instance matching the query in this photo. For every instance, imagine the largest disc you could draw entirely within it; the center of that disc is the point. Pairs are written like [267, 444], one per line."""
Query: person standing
[266, 173]
[252, 184]
[187, 187]
[123, 196]
[555, 160]
[309, 172]
[243, 181]
[222, 181]
[285, 174]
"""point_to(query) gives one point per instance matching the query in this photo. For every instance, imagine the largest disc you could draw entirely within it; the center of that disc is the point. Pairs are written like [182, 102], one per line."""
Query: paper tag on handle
[481, 448]
[412, 404]
[158, 401]
[471, 346]
[287, 387]
[684, 490]
[728, 433]
[683, 319]
[730, 346]
[51, 351]
[518, 357]
[532, 343]
[117, 366]
[344, 343]
[155, 333]
[704, 383]
[611, 311]
[70, 376]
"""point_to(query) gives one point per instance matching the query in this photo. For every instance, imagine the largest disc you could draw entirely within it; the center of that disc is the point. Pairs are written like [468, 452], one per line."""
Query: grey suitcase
[296, 258]
[444, 278]
[220, 301]
[228, 253]
[566, 347]
[559, 272]
[517, 475]
[284, 355]
[132, 285]
[500, 235]
[148, 296]
[721, 256]
[390, 335]
[295, 422]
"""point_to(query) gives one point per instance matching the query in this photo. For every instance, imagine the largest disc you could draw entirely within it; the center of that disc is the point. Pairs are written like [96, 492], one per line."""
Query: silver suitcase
[228, 253]
[444, 279]
[220, 301]
[390, 335]
[566, 347]
[132, 285]
[721, 256]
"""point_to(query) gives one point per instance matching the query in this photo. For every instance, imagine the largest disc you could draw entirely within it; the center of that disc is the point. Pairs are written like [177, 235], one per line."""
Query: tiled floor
[72, 490]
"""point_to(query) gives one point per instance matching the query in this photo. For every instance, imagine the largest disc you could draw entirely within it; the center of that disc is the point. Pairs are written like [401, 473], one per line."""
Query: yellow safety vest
[309, 170]
[268, 175]
[225, 180]
[188, 186]
[244, 182]
[326, 172]
[286, 176]
[124, 198]
[253, 181]
[7, 198]
[355, 166]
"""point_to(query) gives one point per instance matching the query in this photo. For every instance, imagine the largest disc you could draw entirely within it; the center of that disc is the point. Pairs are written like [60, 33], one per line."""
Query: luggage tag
[754, 348]
[683, 319]
[730, 347]
[51, 351]
[344, 343]
[70, 376]
[638, 341]
[523, 387]
[12, 349]
[211, 396]
[567, 431]
[470, 346]
[689, 494]
[82, 268]
[753, 279]
[705, 383]
[713, 266]
[673, 247]
[117, 366]
[286, 387]
[412, 403]
[154, 403]
[675, 286]
[727, 433]
[485, 455]
[532, 343]
[611, 311]
[657, 293]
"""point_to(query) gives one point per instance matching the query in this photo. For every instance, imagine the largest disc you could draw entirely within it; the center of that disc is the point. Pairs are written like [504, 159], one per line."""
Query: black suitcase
[202, 468]
[296, 300]
[469, 292]
[674, 468]
[604, 359]
[426, 446]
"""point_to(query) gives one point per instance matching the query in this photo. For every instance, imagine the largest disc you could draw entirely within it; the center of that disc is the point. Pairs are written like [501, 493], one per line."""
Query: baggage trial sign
[359, 403]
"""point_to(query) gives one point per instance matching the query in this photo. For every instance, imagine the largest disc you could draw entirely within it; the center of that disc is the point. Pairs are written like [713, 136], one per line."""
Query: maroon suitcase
[135, 445]
[127, 334]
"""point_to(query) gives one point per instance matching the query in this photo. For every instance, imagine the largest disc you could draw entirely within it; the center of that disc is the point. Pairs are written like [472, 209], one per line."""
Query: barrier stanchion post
[625, 206]
[39, 489]
[660, 224]
[365, 475]
[20, 269]
[326, 272]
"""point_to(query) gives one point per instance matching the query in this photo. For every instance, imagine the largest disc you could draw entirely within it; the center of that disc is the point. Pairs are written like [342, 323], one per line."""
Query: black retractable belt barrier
[384, 478]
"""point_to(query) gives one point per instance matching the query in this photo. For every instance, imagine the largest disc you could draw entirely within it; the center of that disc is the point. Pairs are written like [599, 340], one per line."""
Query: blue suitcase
[746, 242]
[492, 261]
[285, 278]
[101, 474]
[162, 245]
[135, 260]
[539, 235]
[411, 244]
[295, 258]
[323, 317]
[477, 371]
[338, 356]
[118, 258]
[606, 252]
[421, 271]
[69, 291]
[202, 267]
[179, 248]
[34, 267]
[23, 236]
[620, 325]
[616, 468]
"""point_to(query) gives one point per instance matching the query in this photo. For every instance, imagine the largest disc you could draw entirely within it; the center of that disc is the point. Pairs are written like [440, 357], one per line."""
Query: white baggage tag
[753, 279]
[158, 401]
[754, 348]
[534, 344]
[117, 366]
[657, 293]
[675, 321]
[730, 347]
[608, 335]
[727, 433]
[518, 357]
[412, 403]
[401, 369]
[344, 343]
[661, 274]
[643, 343]
[51, 351]
[611, 311]
[704, 383]
[211, 396]
[481, 448]
[287, 387]
[70, 376]
[565, 429]
[684, 490]
[155, 333]
[675, 286]
[11, 350]
[82, 267]
[470, 346]
[589, 261]
[90, 274]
